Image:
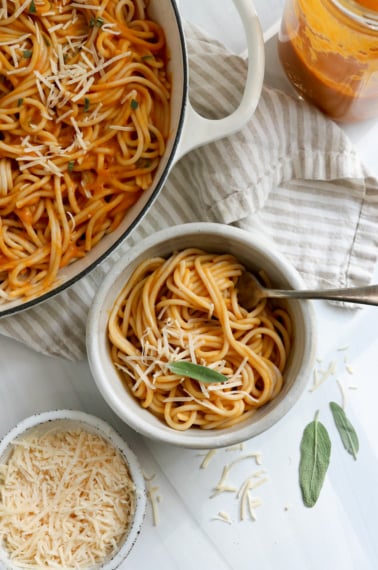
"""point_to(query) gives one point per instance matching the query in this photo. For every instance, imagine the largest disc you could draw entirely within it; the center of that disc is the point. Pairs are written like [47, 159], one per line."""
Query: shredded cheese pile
[66, 500]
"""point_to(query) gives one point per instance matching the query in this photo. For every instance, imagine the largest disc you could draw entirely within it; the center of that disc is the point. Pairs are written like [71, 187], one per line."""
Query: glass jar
[329, 51]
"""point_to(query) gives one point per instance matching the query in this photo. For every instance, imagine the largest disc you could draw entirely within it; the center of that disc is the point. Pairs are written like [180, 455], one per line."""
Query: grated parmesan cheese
[66, 500]
[154, 497]
[342, 392]
[247, 503]
[321, 376]
[208, 457]
[223, 486]
[223, 516]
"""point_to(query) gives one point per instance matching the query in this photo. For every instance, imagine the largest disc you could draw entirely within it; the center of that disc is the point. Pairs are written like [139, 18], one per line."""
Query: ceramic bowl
[62, 420]
[255, 254]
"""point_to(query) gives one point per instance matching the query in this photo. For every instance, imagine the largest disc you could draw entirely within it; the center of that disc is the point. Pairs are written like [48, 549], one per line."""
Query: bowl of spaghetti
[94, 112]
[72, 494]
[178, 358]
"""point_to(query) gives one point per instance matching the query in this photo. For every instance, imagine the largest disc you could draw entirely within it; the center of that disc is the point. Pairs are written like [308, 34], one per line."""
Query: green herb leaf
[196, 371]
[19, 102]
[143, 163]
[98, 22]
[87, 104]
[315, 455]
[71, 165]
[32, 8]
[27, 53]
[134, 104]
[347, 432]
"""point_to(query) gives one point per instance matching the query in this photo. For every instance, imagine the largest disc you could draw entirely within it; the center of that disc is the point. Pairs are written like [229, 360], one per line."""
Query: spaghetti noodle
[186, 308]
[84, 118]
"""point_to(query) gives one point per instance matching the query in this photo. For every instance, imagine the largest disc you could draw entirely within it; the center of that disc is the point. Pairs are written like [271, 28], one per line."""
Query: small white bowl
[68, 420]
[255, 254]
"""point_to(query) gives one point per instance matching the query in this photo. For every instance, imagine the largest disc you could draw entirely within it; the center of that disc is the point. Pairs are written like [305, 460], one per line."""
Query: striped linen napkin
[291, 175]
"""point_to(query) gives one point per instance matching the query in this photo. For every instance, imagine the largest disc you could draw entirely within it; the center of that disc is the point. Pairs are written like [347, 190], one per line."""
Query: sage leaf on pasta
[196, 371]
[315, 452]
[346, 430]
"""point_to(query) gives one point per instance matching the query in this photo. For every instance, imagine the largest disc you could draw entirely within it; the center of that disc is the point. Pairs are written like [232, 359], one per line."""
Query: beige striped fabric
[290, 174]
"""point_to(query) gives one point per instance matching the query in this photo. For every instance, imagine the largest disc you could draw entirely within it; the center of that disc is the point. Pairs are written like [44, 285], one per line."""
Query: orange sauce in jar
[329, 51]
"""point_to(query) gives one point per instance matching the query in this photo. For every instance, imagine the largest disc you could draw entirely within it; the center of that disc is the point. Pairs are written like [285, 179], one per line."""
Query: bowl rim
[189, 439]
[104, 429]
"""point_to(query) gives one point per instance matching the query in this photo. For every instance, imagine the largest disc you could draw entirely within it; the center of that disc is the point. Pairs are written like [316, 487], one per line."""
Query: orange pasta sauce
[329, 51]
[371, 4]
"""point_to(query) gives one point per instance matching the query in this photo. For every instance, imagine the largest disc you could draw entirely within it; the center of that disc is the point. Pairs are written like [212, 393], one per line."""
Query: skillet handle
[198, 130]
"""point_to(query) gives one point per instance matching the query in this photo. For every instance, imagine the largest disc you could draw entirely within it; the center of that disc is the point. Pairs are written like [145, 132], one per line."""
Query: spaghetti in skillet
[185, 308]
[84, 118]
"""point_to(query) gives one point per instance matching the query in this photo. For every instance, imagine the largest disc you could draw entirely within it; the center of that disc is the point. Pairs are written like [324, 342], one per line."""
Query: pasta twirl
[84, 118]
[186, 308]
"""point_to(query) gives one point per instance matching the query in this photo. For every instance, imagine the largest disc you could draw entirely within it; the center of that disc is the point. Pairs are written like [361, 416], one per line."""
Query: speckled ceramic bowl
[255, 254]
[62, 420]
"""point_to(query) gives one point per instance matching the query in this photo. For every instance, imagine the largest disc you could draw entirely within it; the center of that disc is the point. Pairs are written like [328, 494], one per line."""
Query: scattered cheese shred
[244, 494]
[66, 500]
[342, 392]
[208, 457]
[154, 497]
[223, 516]
[321, 376]
[223, 486]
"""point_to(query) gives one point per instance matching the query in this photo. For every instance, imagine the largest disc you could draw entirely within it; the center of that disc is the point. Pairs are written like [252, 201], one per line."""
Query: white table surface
[341, 530]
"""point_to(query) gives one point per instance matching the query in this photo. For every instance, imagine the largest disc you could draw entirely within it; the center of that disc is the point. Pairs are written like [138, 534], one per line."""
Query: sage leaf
[347, 432]
[315, 452]
[196, 371]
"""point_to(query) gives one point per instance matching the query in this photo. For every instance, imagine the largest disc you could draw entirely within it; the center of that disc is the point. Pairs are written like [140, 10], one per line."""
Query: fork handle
[364, 295]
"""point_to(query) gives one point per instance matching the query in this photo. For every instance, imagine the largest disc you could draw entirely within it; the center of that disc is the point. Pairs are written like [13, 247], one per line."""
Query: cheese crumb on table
[154, 497]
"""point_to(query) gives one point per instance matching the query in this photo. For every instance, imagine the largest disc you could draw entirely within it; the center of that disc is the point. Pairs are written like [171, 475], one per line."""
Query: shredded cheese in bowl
[71, 494]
